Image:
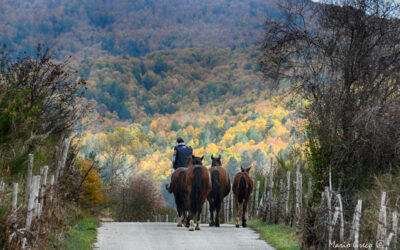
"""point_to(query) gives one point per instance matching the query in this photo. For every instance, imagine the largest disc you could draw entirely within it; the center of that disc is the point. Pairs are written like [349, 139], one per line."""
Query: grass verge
[82, 235]
[280, 236]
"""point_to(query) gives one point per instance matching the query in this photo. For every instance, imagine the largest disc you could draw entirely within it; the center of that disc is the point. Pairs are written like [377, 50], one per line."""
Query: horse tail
[180, 193]
[242, 189]
[195, 194]
[216, 192]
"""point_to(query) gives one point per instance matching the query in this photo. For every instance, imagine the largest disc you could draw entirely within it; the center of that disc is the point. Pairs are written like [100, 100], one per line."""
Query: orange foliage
[92, 185]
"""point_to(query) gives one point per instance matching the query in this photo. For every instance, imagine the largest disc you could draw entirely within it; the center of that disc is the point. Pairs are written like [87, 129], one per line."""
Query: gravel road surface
[130, 235]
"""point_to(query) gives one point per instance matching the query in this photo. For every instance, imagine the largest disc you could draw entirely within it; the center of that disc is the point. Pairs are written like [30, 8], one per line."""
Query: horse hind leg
[191, 226]
[212, 223]
[181, 217]
[237, 212]
[186, 219]
[244, 224]
[198, 220]
[217, 210]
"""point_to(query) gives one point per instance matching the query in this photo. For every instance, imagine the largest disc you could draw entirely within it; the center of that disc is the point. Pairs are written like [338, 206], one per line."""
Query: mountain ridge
[124, 27]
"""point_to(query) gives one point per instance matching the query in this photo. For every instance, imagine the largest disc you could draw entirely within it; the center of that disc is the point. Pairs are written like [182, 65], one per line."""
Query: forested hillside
[124, 27]
[128, 88]
[214, 98]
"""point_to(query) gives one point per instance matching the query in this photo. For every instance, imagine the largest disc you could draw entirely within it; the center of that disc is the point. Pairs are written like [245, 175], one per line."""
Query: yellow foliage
[92, 184]
[212, 148]
[136, 141]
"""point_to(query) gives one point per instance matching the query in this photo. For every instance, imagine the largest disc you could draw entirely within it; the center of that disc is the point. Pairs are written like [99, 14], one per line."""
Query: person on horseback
[182, 154]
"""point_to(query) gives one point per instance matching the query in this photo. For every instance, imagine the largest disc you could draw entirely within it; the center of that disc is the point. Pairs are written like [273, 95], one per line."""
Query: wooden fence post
[341, 232]
[52, 178]
[15, 196]
[263, 201]
[356, 223]
[299, 193]
[287, 193]
[2, 188]
[31, 201]
[381, 230]
[226, 209]
[388, 240]
[256, 198]
[29, 178]
[232, 206]
[309, 191]
[330, 226]
[278, 204]
[44, 172]
[394, 228]
[293, 206]
[265, 189]
[335, 217]
[61, 162]
[251, 204]
[270, 193]
[36, 207]
[330, 180]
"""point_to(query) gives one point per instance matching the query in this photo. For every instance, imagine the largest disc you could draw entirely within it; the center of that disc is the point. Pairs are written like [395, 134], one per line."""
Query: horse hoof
[237, 226]
[216, 225]
[191, 229]
[197, 228]
[211, 224]
[179, 225]
[244, 225]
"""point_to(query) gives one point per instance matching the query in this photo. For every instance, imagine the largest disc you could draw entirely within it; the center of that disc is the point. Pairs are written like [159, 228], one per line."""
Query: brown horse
[180, 196]
[221, 186]
[198, 185]
[242, 188]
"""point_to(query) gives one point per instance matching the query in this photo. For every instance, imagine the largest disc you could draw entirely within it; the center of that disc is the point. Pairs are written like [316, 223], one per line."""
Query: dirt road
[121, 236]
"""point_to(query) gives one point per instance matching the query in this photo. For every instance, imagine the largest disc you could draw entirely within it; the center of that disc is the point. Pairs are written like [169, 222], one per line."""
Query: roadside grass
[82, 235]
[279, 236]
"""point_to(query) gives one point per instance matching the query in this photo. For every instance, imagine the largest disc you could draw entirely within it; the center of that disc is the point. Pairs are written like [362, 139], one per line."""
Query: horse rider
[182, 154]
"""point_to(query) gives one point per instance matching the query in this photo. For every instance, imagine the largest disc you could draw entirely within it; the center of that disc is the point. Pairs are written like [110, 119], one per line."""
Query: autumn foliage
[92, 184]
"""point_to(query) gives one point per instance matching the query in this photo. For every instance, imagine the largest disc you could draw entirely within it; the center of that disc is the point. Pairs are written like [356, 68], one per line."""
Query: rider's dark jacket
[182, 154]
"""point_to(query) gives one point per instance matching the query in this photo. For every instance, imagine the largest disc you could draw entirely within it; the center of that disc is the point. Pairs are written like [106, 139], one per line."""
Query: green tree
[246, 160]
[240, 137]
[259, 158]
[149, 82]
[175, 126]
[136, 74]
[232, 167]
[160, 66]
[255, 134]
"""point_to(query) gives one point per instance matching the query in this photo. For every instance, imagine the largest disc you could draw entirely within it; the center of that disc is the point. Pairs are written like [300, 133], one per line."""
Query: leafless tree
[344, 58]
[138, 200]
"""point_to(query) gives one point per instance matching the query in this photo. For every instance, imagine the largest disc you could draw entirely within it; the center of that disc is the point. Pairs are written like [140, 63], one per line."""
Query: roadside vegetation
[82, 234]
[280, 236]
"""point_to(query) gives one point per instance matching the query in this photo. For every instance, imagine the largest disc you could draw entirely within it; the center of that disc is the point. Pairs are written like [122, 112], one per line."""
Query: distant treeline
[134, 28]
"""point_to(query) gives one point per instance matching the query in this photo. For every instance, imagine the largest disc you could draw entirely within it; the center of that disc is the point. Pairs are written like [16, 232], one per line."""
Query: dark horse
[179, 193]
[221, 186]
[197, 186]
[242, 188]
